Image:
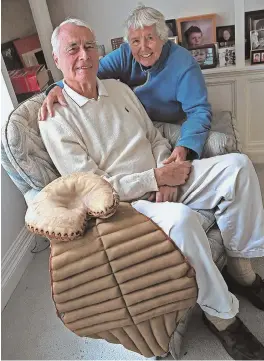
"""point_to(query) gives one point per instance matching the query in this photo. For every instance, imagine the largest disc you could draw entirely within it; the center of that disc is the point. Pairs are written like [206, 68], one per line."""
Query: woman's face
[226, 35]
[145, 45]
[195, 39]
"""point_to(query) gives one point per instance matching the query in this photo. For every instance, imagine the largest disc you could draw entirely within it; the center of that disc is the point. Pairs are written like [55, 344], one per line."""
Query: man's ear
[56, 60]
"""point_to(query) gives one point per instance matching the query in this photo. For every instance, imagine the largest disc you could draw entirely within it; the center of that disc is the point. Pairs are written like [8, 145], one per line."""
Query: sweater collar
[161, 61]
[80, 99]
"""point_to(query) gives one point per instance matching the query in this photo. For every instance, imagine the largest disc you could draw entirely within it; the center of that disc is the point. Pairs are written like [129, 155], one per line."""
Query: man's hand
[54, 96]
[173, 174]
[179, 153]
[165, 194]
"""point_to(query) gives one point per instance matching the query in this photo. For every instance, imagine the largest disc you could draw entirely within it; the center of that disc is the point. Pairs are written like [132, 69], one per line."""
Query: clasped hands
[175, 172]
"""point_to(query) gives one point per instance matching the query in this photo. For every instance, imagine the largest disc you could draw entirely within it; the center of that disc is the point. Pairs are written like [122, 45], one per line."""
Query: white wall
[107, 16]
[13, 206]
[251, 5]
[17, 20]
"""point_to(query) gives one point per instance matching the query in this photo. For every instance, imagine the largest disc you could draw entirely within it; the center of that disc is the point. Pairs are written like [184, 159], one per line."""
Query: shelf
[234, 69]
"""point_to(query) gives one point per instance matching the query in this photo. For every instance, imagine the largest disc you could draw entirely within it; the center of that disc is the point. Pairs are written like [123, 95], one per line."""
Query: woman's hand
[179, 153]
[54, 96]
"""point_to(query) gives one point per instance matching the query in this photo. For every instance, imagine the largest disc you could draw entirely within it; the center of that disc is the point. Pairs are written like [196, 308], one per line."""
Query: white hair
[146, 16]
[55, 35]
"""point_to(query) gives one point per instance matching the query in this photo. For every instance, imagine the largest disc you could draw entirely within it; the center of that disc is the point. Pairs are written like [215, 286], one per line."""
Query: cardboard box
[27, 80]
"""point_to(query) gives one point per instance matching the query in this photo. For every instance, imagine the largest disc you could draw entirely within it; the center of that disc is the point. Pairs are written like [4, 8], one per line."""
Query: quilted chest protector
[118, 278]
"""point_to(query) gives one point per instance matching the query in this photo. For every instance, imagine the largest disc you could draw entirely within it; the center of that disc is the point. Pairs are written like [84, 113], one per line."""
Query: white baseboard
[15, 263]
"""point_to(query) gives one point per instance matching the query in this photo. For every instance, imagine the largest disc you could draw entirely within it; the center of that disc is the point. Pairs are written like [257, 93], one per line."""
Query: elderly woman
[163, 75]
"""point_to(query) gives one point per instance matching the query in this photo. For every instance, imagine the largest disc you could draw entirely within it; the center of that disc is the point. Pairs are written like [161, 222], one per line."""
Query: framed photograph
[171, 24]
[225, 36]
[257, 39]
[197, 30]
[257, 57]
[174, 39]
[227, 56]
[117, 42]
[205, 55]
[254, 20]
[10, 56]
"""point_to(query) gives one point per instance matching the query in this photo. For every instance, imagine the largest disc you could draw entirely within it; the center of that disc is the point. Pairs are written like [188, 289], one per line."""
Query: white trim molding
[15, 263]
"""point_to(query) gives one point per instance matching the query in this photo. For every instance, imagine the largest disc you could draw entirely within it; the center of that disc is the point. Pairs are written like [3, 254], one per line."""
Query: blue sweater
[172, 90]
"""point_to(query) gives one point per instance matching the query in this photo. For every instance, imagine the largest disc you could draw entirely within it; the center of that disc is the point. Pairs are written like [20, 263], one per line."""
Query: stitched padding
[62, 209]
[124, 281]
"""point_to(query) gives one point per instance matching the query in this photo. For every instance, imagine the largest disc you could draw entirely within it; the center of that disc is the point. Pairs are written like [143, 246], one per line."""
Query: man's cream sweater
[111, 136]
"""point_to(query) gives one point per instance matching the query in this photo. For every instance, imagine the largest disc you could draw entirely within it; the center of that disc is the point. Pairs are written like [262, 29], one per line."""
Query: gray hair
[147, 16]
[55, 34]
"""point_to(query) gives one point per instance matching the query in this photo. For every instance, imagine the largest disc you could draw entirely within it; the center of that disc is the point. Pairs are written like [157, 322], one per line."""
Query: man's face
[77, 56]
[195, 39]
[145, 45]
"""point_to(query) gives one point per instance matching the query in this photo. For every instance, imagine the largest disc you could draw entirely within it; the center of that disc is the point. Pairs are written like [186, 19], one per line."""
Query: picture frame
[257, 57]
[205, 55]
[174, 39]
[171, 24]
[10, 56]
[117, 42]
[257, 39]
[254, 20]
[225, 36]
[227, 56]
[197, 30]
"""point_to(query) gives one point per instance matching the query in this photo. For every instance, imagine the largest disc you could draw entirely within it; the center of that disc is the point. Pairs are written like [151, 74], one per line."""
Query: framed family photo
[171, 24]
[205, 55]
[225, 36]
[254, 20]
[257, 57]
[197, 30]
[257, 39]
[10, 56]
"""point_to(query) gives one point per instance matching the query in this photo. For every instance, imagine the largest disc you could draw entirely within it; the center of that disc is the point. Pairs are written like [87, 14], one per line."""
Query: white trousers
[229, 184]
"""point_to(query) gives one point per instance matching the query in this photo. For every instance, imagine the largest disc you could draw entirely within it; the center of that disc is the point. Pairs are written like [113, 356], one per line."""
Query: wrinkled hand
[173, 174]
[179, 153]
[165, 194]
[54, 96]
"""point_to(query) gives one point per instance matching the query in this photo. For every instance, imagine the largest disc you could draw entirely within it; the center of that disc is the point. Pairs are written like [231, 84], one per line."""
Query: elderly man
[105, 129]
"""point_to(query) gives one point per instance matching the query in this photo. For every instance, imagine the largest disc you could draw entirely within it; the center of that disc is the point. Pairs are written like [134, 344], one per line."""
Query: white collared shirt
[80, 99]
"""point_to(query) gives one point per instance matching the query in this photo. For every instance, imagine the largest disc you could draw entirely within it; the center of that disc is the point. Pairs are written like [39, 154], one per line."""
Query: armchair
[28, 164]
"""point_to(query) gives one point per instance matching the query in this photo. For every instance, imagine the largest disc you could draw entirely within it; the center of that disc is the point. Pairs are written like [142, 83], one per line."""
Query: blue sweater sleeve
[59, 83]
[192, 94]
[110, 66]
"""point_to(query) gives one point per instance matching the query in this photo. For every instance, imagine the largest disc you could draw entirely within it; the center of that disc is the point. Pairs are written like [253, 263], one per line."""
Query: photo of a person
[205, 55]
[256, 58]
[200, 55]
[225, 35]
[257, 39]
[196, 31]
[193, 36]
[171, 24]
[262, 57]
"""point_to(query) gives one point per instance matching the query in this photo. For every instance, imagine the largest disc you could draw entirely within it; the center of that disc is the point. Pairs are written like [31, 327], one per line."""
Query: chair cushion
[62, 209]
[24, 151]
[222, 139]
